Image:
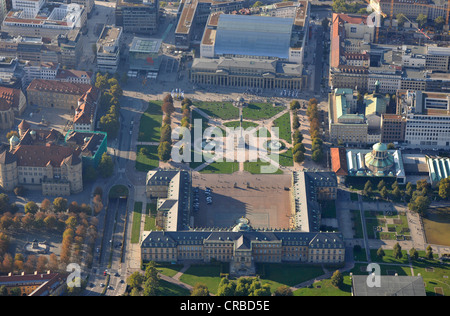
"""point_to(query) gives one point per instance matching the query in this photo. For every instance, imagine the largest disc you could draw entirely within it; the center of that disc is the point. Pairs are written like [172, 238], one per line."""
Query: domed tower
[13, 142]
[379, 161]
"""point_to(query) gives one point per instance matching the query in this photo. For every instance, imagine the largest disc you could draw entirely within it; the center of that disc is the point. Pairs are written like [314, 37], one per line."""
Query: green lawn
[150, 123]
[208, 274]
[254, 167]
[220, 167]
[325, 288]
[286, 274]
[136, 225]
[284, 127]
[222, 110]
[150, 217]
[146, 162]
[260, 111]
[286, 159]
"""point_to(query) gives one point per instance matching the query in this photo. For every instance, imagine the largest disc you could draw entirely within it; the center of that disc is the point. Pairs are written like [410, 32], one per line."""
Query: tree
[110, 124]
[368, 188]
[380, 253]
[106, 166]
[401, 19]
[257, 4]
[60, 204]
[380, 185]
[200, 289]
[297, 137]
[226, 288]
[135, 280]
[116, 91]
[283, 290]
[337, 279]
[397, 251]
[31, 207]
[439, 22]
[429, 253]
[419, 205]
[325, 24]
[166, 134]
[317, 155]
[444, 188]
[413, 254]
[164, 151]
[384, 192]
[168, 108]
[299, 147]
[151, 280]
[294, 105]
[422, 20]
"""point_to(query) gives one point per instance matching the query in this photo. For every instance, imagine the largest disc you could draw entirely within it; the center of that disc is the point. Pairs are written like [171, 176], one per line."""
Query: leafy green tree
[60, 204]
[283, 290]
[294, 105]
[106, 166]
[422, 20]
[429, 253]
[384, 192]
[31, 207]
[413, 254]
[317, 155]
[380, 185]
[444, 188]
[200, 289]
[226, 288]
[151, 280]
[397, 251]
[439, 22]
[337, 280]
[380, 253]
[419, 205]
[164, 151]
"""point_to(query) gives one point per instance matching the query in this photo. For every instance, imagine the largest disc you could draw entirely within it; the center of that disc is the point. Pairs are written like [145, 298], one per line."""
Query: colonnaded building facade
[243, 248]
[262, 50]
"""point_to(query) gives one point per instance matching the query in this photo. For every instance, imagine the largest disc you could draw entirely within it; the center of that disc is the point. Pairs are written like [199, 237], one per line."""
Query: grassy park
[150, 123]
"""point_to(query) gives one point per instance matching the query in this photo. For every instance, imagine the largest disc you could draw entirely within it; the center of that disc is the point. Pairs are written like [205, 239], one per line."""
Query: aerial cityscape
[224, 148]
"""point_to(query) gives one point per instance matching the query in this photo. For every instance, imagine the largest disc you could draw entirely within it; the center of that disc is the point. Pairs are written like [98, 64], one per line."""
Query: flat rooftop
[145, 45]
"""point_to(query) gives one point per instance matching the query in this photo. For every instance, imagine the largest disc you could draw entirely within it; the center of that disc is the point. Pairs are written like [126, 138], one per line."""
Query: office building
[108, 49]
[139, 16]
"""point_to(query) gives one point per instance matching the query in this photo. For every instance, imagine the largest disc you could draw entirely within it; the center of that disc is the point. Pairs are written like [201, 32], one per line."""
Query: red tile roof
[339, 161]
[9, 98]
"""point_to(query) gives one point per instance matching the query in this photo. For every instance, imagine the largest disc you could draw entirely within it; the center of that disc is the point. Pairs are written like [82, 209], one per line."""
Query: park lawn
[150, 217]
[136, 224]
[150, 123]
[433, 278]
[224, 167]
[284, 127]
[254, 167]
[388, 258]
[169, 289]
[260, 111]
[221, 110]
[208, 274]
[286, 159]
[286, 274]
[325, 288]
[147, 162]
[168, 269]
